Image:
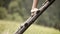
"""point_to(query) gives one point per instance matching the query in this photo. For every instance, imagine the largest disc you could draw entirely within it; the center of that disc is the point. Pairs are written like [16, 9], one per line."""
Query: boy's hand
[33, 11]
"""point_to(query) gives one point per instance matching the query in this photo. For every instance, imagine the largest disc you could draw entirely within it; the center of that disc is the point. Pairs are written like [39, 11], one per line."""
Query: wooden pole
[31, 19]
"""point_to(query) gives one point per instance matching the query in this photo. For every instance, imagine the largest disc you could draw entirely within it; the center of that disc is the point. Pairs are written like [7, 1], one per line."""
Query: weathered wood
[31, 19]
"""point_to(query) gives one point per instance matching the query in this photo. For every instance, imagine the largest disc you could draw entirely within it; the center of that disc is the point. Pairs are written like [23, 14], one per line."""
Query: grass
[9, 27]
[35, 29]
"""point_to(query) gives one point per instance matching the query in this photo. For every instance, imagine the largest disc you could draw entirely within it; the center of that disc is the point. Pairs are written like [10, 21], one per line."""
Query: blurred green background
[15, 12]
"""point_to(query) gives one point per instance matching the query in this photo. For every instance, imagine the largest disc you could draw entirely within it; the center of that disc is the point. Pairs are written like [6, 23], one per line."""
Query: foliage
[3, 13]
[4, 3]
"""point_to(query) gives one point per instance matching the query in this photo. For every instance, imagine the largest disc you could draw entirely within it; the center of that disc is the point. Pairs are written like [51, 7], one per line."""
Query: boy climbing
[34, 7]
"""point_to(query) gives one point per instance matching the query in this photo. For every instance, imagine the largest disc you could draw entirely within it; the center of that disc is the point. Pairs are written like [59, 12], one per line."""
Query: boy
[34, 7]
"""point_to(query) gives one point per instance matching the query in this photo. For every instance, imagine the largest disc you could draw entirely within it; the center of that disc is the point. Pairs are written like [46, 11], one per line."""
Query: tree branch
[31, 19]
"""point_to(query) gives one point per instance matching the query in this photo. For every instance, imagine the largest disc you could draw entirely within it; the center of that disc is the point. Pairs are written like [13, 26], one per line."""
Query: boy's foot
[34, 11]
